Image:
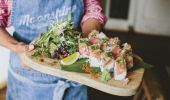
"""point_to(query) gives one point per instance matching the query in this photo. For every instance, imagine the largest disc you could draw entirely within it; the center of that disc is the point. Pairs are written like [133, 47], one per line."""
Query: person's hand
[89, 25]
[6, 40]
[21, 48]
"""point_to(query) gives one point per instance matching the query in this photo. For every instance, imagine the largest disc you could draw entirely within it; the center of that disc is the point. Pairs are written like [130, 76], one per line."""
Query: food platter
[97, 61]
[114, 87]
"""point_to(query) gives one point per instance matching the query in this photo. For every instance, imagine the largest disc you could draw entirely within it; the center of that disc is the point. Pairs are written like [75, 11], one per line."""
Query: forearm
[89, 25]
[6, 40]
[93, 18]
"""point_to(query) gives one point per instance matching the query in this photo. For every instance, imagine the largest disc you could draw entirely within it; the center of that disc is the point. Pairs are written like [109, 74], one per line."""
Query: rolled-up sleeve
[93, 9]
[4, 13]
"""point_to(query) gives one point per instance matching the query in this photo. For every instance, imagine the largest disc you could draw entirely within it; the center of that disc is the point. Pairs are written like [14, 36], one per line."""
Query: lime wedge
[70, 59]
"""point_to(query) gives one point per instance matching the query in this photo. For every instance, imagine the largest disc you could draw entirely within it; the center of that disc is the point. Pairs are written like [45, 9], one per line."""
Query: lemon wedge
[70, 59]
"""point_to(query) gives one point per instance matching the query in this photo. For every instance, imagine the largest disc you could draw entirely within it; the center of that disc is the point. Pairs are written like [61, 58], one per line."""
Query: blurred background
[146, 25]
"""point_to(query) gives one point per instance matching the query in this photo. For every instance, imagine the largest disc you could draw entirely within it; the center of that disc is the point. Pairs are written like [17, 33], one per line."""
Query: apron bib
[30, 18]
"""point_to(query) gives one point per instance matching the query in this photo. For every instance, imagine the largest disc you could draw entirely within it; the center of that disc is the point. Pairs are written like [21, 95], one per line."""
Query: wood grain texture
[113, 87]
[3, 94]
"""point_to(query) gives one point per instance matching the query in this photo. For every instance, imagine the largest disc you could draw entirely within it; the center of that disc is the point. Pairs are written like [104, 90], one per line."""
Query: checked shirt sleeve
[93, 9]
[4, 13]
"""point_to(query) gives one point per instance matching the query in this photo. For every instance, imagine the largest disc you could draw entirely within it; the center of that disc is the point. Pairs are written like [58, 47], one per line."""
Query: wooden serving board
[113, 87]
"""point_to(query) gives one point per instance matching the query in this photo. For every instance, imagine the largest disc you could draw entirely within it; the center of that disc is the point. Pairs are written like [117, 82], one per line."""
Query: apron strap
[61, 87]
[59, 90]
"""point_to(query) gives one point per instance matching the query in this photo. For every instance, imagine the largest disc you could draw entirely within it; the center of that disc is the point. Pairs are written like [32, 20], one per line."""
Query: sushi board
[114, 87]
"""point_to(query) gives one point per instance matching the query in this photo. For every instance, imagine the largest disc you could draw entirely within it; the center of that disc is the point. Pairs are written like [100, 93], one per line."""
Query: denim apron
[30, 18]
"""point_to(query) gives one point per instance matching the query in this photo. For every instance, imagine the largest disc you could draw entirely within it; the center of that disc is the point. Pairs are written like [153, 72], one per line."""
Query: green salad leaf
[59, 41]
[106, 76]
[140, 64]
[75, 67]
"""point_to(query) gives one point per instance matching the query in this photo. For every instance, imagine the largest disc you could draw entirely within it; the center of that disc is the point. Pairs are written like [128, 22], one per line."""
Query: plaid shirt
[93, 9]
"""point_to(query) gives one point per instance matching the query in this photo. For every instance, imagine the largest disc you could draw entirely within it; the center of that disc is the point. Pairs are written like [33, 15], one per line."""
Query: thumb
[30, 47]
[22, 47]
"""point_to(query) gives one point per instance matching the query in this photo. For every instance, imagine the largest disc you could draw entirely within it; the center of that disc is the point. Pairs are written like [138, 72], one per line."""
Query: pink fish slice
[84, 50]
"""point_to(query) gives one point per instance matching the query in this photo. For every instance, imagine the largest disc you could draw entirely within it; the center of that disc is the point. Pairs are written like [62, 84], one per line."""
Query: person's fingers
[31, 47]
[22, 47]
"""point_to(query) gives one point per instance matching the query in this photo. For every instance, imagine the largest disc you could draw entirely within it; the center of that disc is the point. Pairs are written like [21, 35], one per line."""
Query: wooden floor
[153, 49]
[2, 94]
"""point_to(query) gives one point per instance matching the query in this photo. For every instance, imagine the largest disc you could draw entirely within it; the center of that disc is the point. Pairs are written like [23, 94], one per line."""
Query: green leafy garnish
[106, 76]
[95, 47]
[75, 67]
[108, 54]
[140, 64]
[62, 35]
